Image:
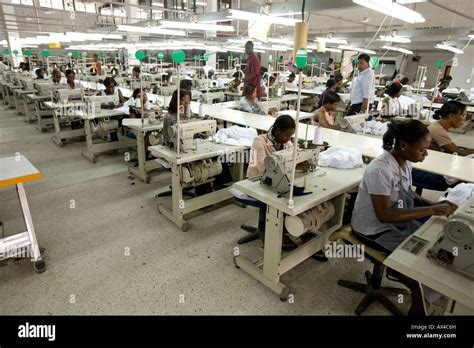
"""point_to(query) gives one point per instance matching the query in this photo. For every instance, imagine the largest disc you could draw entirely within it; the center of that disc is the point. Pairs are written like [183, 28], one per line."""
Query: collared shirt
[254, 108]
[262, 146]
[384, 177]
[252, 67]
[363, 87]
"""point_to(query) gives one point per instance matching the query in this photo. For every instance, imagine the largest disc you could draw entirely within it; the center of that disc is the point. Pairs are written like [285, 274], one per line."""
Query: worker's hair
[292, 75]
[331, 60]
[283, 123]
[248, 90]
[186, 84]
[338, 77]
[109, 80]
[249, 43]
[69, 72]
[444, 81]
[330, 83]
[410, 132]
[331, 97]
[136, 93]
[136, 69]
[38, 71]
[449, 108]
[405, 80]
[364, 56]
[173, 105]
[447, 78]
[393, 89]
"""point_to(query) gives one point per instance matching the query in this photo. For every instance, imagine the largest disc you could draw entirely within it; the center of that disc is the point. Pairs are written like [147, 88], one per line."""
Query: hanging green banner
[206, 56]
[45, 53]
[5, 51]
[440, 63]
[313, 60]
[15, 52]
[374, 62]
[161, 55]
[140, 55]
[301, 58]
[84, 54]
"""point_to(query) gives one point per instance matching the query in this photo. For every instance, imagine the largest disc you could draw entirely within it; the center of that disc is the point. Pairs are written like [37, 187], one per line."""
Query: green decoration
[206, 56]
[45, 53]
[84, 54]
[69, 54]
[15, 52]
[242, 57]
[313, 60]
[440, 63]
[28, 53]
[76, 54]
[140, 55]
[374, 62]
[161, 55]
[178, 56]
[278, 58]
[5, 51]
[301, 58]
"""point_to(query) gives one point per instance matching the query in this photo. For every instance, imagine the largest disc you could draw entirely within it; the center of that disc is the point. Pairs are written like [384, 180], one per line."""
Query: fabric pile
[235, 135]
[340, 157]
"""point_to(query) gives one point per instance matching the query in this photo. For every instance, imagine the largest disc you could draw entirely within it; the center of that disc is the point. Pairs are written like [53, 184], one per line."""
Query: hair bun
[437, 114]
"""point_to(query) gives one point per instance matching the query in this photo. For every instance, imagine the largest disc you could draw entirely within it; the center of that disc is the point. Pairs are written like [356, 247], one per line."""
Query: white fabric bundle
[340, 157]
[459, 194]
[236, 135]
[372, 127]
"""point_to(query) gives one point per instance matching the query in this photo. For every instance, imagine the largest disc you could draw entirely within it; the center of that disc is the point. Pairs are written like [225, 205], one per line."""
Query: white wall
[464, 70]
[430, 60]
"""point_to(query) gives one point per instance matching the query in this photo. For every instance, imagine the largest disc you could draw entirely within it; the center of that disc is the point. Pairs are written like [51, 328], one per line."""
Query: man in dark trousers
[252, 69]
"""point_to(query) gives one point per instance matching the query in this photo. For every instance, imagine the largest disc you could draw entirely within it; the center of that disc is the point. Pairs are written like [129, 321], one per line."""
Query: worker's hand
[443, 209]
[303, 166]
[445, 201]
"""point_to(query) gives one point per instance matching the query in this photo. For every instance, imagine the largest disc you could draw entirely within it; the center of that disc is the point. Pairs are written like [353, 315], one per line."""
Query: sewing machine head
[453, 250]
[351, 123]
[187, 129]
[27, 82]
[278, 167]
[44, 88]
[94, 103]
[65, 95]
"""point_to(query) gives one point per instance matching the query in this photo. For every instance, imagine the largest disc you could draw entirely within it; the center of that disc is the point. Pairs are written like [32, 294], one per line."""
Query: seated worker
[110, 89]
[330, 86]
[136, 72]
[438, 91]
[170, 118]
[391, 104]
[39, 74]
[70, 81]
[96, 66]
[341, 84]
[236, 84]
[291, 83]
[135, 103]
[187, 84]
[386, 209]
[326, 114]
[249, 101]
[56, 76]
[404, 81]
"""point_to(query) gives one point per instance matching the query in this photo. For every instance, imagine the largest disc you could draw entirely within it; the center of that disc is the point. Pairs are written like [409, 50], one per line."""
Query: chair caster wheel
[185, 227]
[39, 266]
[284, 294]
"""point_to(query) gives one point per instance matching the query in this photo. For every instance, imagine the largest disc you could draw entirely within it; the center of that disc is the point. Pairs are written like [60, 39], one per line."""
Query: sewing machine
[453, 250]
[278, 167]
[350, 123]
[27, 83]
[187, 130]
[43, 88]
[63, 96]
[94, 103]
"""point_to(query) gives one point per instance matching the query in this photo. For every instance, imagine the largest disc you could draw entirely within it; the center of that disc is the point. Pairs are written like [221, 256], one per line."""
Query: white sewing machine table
[459, 289]
[204, 150]
[144, 166]
[62, 123]
[325, 184]
[94, 149]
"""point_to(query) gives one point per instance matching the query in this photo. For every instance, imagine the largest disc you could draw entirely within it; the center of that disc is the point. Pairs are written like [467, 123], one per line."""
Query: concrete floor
[88, 271]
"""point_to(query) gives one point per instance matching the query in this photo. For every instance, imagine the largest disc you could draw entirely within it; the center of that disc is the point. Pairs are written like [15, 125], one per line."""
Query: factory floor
[109, 251]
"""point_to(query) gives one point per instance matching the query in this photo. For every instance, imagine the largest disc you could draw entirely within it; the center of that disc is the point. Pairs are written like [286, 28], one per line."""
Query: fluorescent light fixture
[400, 39]
[404, 2]
[333, 50]
[330, 40]
[281, 41]
[277, 48]
[157, 4]
[471, 36]
[398, 49]
[196, 26]
[393, 9]
[151, 30]
[352, 48]
[449, 48]
[250, 16]
[201, 3]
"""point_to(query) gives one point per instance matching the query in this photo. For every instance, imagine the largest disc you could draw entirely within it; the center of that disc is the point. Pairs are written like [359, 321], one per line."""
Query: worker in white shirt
[363, 88]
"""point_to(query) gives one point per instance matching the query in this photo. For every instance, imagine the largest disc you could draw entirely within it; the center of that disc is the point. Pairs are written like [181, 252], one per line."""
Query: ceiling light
[157, 4]
[333, 49]
[471, 36]
[352, 48]
[201, 3]
[449, 48]
[281, 41]
[398, 49]
[196, 26]
[244, 15]
[404, 2]
[392, 9]
[331, 40]
[152, 30]
[389, 38]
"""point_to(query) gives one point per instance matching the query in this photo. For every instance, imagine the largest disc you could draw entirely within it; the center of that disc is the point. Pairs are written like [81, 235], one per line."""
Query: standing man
[363, 88]
[252, 69]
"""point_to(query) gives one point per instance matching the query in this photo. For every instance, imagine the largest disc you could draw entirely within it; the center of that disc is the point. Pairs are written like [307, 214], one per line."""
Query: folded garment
[341, 157]
[236, 135]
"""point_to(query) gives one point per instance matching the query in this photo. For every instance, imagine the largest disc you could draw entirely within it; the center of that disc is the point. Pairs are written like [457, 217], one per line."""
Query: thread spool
[301, 37]
[318, 136]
